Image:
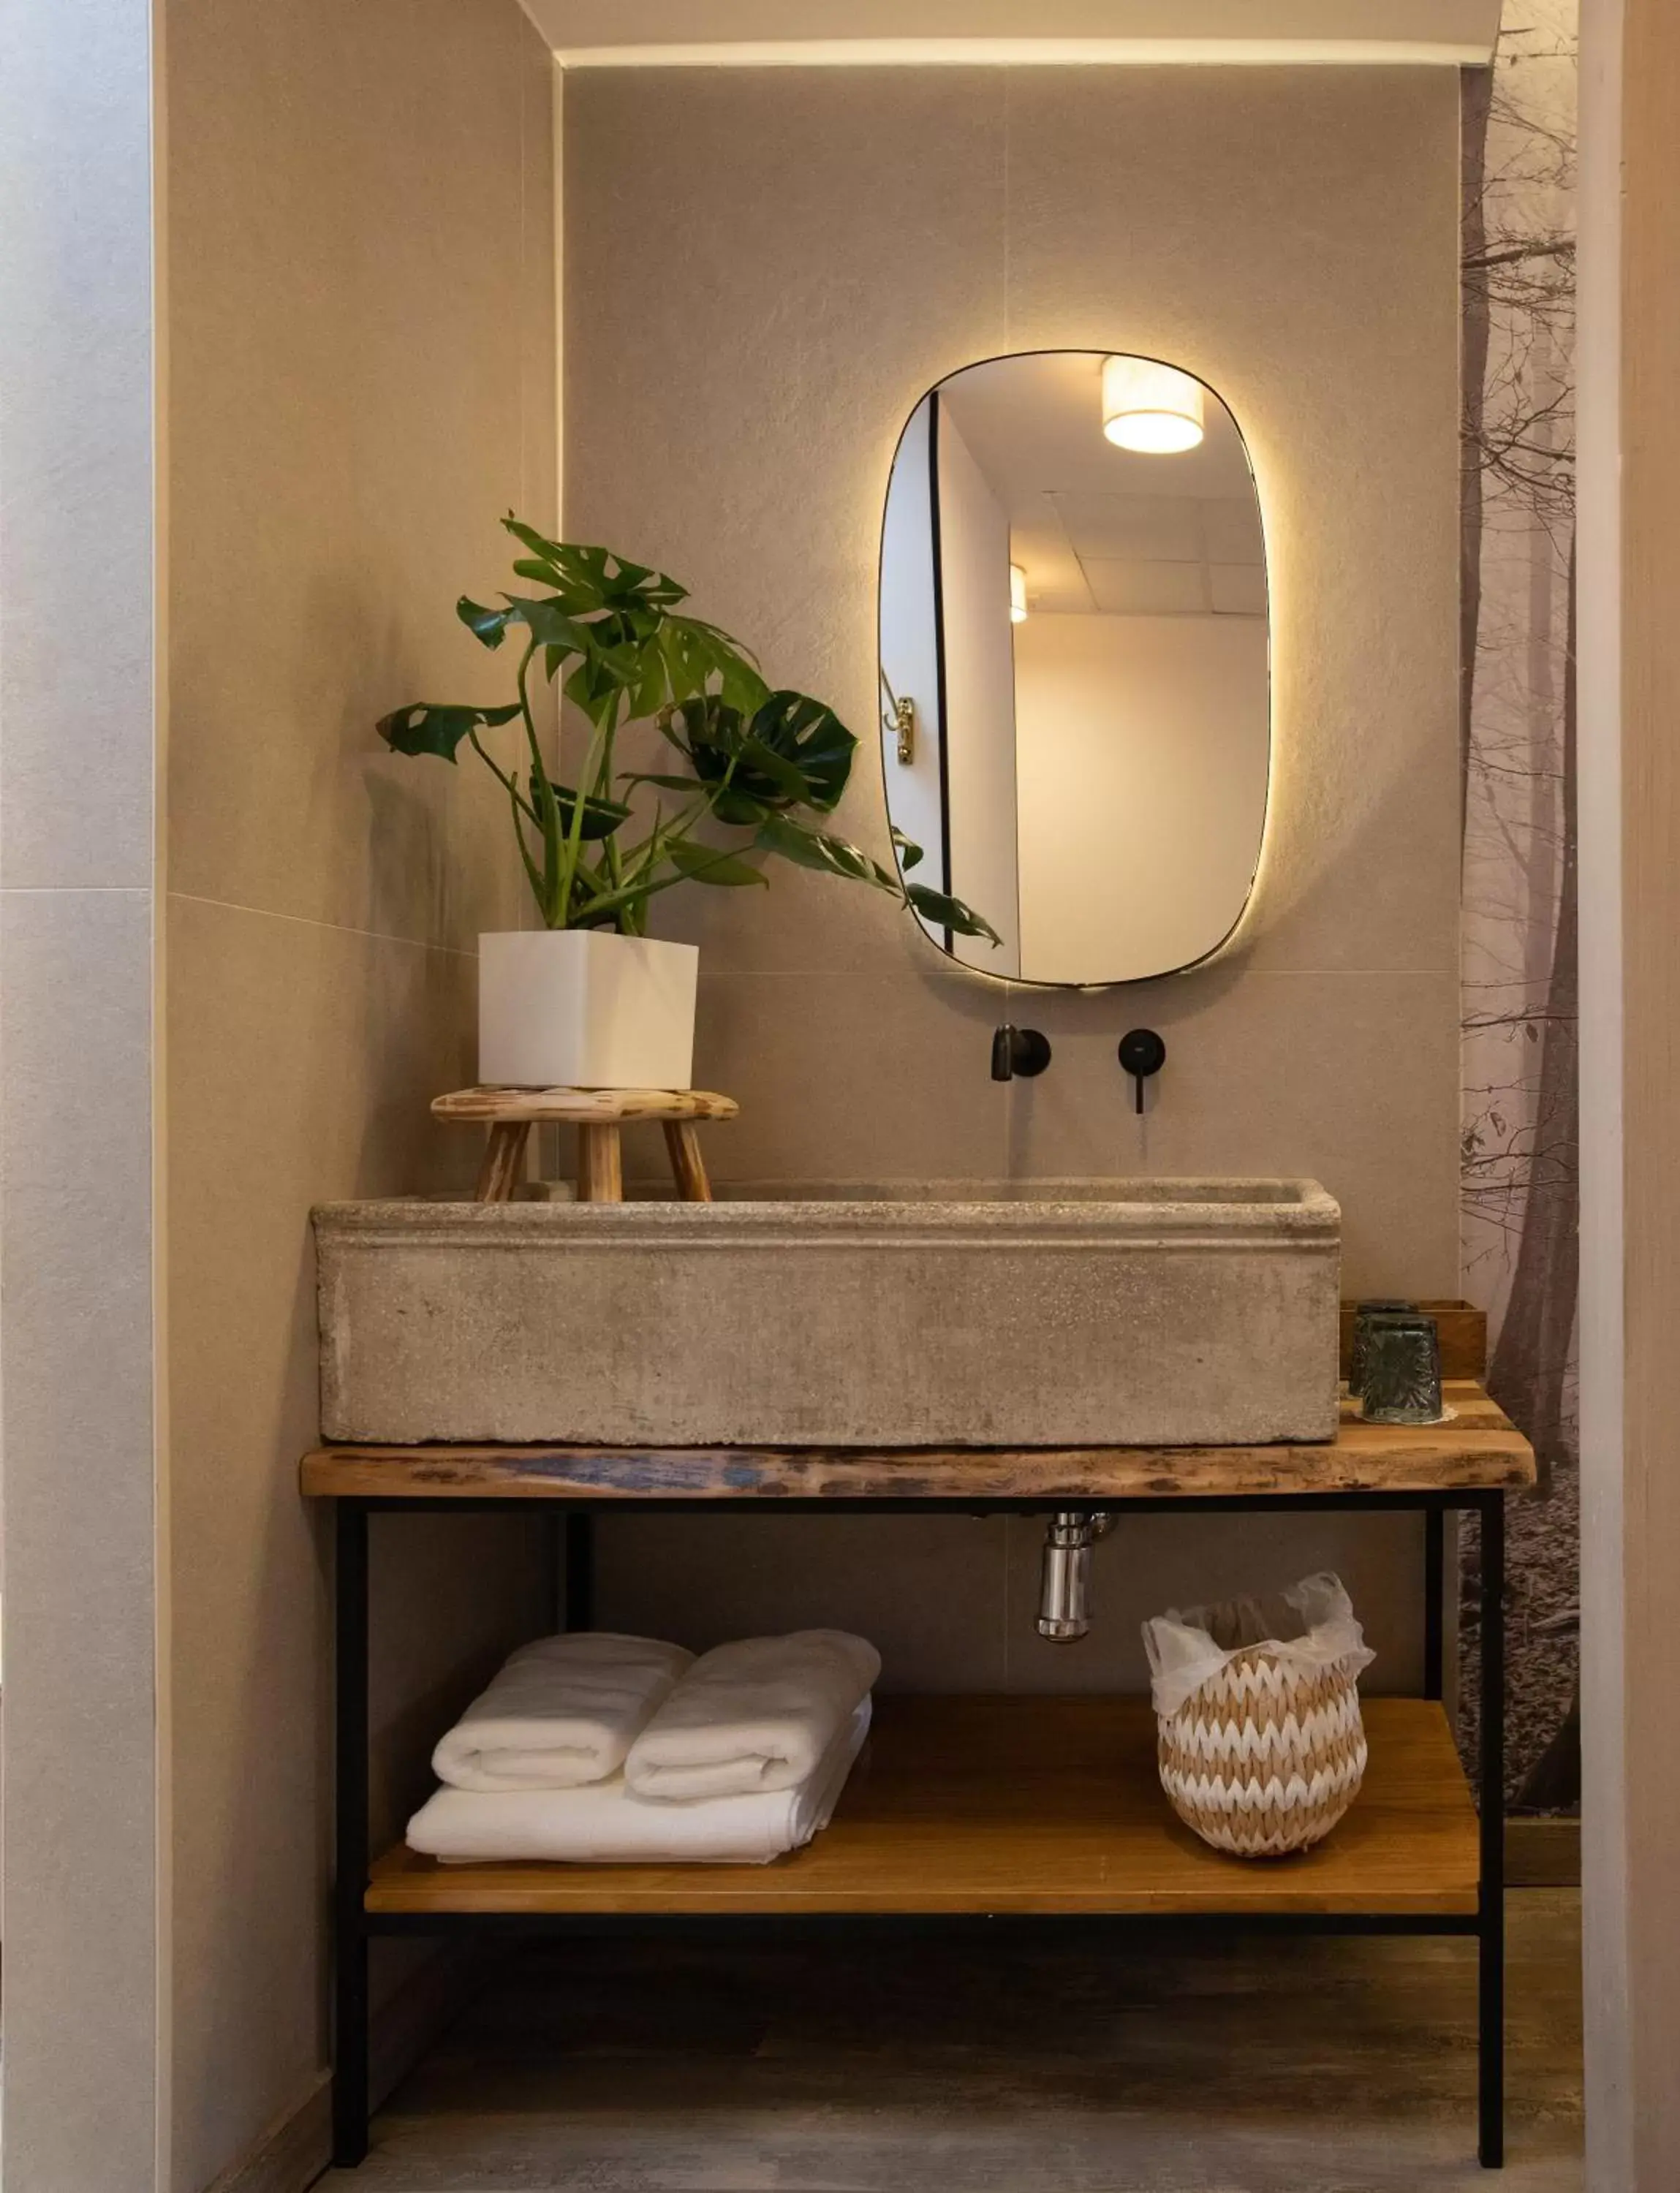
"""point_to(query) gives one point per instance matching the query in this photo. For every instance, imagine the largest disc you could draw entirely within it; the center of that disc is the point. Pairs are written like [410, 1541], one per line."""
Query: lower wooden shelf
[1029, 1804]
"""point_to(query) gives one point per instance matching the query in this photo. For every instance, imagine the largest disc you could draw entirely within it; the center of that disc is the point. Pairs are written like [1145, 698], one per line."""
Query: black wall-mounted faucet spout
[1019, 1051]
[1142, 1053]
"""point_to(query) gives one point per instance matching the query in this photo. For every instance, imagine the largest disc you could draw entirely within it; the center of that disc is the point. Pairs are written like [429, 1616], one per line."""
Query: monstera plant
[754, 773]
[755, 767]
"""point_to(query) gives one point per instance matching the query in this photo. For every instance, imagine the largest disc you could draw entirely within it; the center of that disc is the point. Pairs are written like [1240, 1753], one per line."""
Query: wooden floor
[1029, 1805]
[1288, 2066]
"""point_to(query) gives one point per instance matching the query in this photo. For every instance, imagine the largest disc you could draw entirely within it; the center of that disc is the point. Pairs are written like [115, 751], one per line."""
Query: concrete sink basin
[963, 1313]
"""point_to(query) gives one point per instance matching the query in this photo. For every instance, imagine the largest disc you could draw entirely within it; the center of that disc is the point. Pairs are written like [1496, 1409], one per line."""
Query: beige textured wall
[1650, 1517]
[77, 911]
[361, 376]
[828, 244]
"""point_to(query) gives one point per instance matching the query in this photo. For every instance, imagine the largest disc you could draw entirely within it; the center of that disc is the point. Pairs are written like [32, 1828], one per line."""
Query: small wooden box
[1462, 1334]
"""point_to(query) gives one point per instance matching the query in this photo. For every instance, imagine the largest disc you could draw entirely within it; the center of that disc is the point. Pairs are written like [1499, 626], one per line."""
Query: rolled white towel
[562, 1711]
[603, 1823]
[757, 1714]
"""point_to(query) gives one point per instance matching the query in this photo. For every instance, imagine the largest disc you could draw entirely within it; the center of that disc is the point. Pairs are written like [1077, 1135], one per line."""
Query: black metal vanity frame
[571, 1519]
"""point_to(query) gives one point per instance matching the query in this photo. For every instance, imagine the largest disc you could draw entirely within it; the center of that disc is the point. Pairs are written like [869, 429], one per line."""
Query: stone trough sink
[963, 1313]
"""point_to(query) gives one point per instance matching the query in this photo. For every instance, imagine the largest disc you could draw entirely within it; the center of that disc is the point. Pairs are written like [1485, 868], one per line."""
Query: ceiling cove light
[1017, 594]
[1153, 409]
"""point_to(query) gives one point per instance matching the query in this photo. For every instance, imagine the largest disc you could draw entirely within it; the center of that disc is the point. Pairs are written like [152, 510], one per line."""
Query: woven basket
[1266, 1756]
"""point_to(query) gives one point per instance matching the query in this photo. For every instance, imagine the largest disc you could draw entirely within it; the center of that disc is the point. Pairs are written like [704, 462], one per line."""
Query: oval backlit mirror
[1076, 688]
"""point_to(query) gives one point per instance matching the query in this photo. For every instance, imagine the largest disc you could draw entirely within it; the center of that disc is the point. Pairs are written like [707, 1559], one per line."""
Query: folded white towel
[603, 1823]
[564, 1710]
[758, 1714]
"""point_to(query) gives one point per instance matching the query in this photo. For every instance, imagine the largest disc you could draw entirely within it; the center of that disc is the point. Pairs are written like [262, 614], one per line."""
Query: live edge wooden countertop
[1477, 1448]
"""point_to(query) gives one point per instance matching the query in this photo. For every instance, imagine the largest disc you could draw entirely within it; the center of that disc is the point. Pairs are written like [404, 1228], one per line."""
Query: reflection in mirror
[1075, 696]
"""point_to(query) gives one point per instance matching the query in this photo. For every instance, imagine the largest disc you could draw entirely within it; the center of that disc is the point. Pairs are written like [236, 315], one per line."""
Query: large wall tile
[844, 1076]
[355, 401]
[75, 1371]
[831, 244]
[1345, 1078]
[301, 1059]
[84, 2054]
[76, 358]
[362, 380]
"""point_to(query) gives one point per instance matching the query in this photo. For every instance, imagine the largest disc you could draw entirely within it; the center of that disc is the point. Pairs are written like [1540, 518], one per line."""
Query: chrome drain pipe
[1065, 1584]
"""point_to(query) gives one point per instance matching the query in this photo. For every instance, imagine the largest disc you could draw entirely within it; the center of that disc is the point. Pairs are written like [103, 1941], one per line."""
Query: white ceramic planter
[585, 1009]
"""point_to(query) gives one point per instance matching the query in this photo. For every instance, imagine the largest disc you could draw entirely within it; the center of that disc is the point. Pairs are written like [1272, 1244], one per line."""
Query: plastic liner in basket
[1262, 1749]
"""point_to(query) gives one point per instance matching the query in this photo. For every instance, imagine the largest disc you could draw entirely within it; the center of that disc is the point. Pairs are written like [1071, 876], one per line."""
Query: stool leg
[600, 1170]
[688, 1167]
[504, 1161]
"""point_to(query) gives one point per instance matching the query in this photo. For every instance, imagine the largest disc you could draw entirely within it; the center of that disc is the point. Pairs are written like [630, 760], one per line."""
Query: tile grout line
[336, 928]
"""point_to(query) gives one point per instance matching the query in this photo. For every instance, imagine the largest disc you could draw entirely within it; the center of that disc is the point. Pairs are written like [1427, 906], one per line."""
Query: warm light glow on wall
[1017, 594]
[1153, 409]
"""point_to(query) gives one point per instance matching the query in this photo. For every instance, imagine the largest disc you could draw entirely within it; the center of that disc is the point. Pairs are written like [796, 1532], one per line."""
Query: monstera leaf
[606, 678]
[693, 653]
[590, 581]
[811, 737]
[601, 817]
[945, 912]
[615, 622]
[707, 864]
[836, 856]
[791, 751]
[603, 608]
[430, 727]
[549, 625]
[822, 851]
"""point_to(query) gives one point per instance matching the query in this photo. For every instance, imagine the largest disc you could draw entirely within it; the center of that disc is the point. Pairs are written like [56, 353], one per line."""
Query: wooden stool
[597, 1115]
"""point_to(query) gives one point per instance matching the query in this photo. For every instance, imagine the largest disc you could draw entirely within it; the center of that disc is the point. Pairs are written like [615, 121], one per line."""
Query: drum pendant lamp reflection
[1152, 409]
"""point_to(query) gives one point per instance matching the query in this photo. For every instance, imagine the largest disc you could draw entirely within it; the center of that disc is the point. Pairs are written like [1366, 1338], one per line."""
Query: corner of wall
[1610, 2097]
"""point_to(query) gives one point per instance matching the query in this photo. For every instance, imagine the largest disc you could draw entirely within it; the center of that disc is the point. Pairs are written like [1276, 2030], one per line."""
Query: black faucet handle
[1142, 1053]
[1019, 1051]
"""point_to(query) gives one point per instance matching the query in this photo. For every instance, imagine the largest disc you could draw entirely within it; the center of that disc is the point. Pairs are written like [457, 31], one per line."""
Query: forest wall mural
[1520, 1147]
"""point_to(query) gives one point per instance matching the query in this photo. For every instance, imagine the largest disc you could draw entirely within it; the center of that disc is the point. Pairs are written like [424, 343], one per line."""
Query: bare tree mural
[1519, 1156]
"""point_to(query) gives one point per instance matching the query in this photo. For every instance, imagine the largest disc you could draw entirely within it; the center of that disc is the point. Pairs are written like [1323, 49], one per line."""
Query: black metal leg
[1491, 1995]
[580, 1571]
[1434, 1586]
[555, 1533]
[350, 1943]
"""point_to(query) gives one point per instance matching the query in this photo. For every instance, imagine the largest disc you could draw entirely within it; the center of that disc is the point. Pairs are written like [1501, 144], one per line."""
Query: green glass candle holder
[1402, 1372]
[1365, 1315]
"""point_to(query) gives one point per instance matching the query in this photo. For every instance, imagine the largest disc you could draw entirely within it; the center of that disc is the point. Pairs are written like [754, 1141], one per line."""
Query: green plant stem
[641, 893]
[562, 853]
[571, 860]
[510, 784]
[631, 900]
[520, 806]
[551, 897]
[533, 874]
[539, 767]
[604, 789]
[641, 856]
